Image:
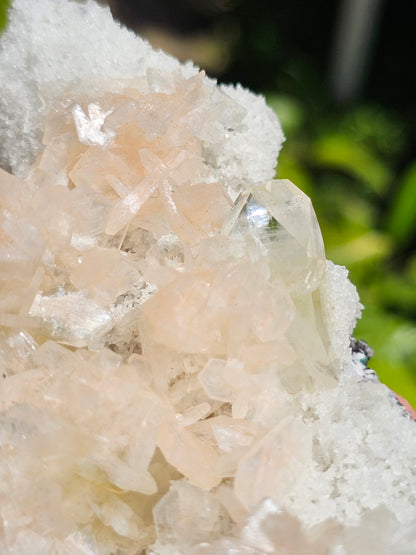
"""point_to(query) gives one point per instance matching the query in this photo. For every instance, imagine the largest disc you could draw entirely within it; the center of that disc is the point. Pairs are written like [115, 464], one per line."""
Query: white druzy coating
[56, 45]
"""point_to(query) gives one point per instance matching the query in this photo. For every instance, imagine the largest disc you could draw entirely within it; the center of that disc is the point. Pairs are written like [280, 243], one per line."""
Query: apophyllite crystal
[177, 375]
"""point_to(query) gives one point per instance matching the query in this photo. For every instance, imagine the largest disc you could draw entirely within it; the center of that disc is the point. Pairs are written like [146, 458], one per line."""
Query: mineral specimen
[177, 374]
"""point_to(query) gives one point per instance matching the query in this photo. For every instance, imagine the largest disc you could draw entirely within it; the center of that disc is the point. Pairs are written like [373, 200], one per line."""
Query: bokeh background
[340, 75]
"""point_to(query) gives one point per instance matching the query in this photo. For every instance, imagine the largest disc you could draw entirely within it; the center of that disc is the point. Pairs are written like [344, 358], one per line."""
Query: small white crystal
[89, 127]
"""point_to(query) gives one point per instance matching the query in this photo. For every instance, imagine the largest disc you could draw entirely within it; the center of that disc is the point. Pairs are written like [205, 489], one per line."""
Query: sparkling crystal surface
[176, 371]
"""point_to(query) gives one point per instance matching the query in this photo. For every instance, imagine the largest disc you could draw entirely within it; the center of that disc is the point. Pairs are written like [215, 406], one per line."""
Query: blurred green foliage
[4, 6]
[347, 161]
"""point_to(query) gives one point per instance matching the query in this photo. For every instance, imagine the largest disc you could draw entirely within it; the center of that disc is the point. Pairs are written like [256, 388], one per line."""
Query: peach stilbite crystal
[177, 376]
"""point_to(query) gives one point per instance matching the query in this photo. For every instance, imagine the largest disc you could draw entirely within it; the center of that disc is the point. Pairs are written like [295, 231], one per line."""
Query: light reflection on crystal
[257, 215]
[71, 319]
[89, 127]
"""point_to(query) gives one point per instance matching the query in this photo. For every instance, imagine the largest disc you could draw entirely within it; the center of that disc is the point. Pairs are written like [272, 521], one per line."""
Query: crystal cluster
[177, 375]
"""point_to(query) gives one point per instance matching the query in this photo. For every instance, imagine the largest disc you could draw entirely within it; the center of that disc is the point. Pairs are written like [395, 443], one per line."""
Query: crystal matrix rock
[177, 374]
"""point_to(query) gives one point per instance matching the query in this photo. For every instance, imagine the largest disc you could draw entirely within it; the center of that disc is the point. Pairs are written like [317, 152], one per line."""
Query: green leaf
[339, 152]
[401, 222]
[4, 6]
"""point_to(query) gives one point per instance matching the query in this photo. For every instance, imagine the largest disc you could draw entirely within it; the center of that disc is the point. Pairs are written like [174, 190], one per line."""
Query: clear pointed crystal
[281, 220]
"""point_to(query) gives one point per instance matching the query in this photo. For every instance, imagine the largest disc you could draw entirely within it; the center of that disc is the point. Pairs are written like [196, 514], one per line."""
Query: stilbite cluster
[177, 376]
